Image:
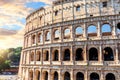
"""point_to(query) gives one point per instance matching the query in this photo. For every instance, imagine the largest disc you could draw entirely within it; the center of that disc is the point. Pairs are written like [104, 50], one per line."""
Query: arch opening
[118, 28]
[79, 54]
[92, 30]
[57, 34]
[38, 56]
[48, 36]
[37, 75]
[46, 75]
[118, 25]
[79, 31]
[110, 76]
[67, 55]
[80, 76]
[106, 29]
[67, 76]
[55, 76]
[31, 75]
[67, 33]
[33, 39]
[93, 54]
[108, 54]
[56, 55]
[46, 56]
[32, 56]
[94, 76]
[39, 37]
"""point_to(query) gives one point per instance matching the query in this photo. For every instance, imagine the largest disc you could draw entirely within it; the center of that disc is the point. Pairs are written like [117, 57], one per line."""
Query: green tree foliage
[9, 57]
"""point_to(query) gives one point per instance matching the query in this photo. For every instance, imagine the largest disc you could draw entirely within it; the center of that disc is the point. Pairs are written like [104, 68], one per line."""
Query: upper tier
[66, 10]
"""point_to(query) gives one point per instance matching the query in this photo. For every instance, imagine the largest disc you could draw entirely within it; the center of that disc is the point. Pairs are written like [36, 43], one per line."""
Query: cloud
[12, 15]
[6, 32]
[11, 38]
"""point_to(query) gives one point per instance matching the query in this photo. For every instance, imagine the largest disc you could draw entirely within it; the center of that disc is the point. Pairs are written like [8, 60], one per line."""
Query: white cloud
[11, 13]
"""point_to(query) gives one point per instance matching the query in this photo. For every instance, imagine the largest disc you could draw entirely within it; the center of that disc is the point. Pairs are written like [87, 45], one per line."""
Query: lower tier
[70, 73]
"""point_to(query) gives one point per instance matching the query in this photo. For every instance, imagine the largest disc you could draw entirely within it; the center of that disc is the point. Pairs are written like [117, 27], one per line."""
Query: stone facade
[72, 40]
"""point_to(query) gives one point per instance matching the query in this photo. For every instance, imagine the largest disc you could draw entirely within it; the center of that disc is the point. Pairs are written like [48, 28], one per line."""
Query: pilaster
[85, 31]
[86, 75]
[114, 30]
[116, 52]
[99, 30]
[100, 54]
[85, 52]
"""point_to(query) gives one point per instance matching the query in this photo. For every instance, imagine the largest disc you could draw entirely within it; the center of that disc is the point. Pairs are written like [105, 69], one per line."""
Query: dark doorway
[46, 75]
[79, 55]
[80, 76]
[110, 76]
[93, 54]
[108, 54]
[38, 75]
[47, 56]
[94, 76]
[31, 75]
[67, 55]
[118, 25]
[55, 76]
[67, 76]
[56, 55]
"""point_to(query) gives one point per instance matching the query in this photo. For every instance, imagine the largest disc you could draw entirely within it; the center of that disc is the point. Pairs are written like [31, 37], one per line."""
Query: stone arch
[93, 54]
[55, 75]
[108, 54]
[66, 55]
[79, 54]
[67, 76]
[79, 31]
[79, 76]
[39, 37]
[38, 57]
[67, 33]
[45, 75]
[56, 55]
[106, 29]
[32, 56]
[33, 39]
[46, 55]
[118, 28]
[110, 76]
[30, 75]
[94, 76]
[118, 25]
[48, 36]
[92, 29]
[37, 75]
[57, 34]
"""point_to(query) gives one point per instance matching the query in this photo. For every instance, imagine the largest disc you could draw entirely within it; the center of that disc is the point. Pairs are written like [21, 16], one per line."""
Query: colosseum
[72, 40]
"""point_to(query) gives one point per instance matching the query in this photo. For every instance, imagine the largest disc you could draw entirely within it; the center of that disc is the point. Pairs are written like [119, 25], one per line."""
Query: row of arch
[93, 55]
[91, 30]
[67, 76]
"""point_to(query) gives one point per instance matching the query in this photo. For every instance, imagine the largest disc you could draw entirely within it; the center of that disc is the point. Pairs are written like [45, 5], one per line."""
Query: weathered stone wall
[55, 28]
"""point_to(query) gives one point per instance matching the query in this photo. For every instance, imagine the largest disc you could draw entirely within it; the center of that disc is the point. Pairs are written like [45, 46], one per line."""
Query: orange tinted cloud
[11, 13]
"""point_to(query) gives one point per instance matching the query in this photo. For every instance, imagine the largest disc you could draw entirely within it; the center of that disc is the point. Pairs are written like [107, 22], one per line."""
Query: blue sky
[35, 5]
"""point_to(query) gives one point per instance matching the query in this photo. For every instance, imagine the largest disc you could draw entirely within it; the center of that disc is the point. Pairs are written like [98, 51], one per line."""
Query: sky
[12, 20]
